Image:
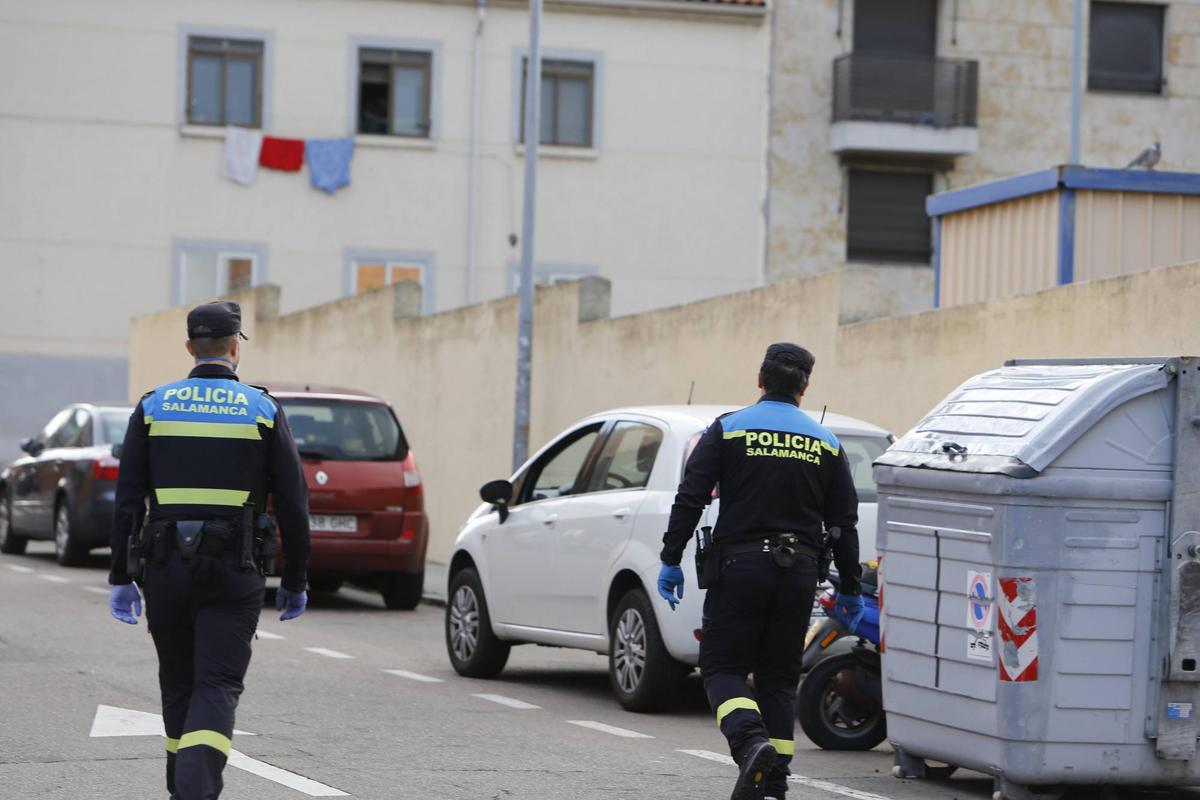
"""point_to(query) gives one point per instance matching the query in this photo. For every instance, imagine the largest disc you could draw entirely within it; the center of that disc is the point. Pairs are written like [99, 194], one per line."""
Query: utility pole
[1076, 81]
[533, 128]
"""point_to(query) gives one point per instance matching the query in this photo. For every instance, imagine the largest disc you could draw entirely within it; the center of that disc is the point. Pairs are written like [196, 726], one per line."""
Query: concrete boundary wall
[450, 376]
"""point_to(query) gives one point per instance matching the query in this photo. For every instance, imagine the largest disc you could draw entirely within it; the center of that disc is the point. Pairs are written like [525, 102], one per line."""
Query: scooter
[840, 706]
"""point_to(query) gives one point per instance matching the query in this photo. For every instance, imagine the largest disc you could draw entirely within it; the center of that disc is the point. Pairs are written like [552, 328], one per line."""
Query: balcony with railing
[907, 104]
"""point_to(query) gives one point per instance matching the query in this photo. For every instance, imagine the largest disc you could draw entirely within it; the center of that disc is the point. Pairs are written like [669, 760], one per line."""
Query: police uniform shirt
[779, 472]
[199, 449]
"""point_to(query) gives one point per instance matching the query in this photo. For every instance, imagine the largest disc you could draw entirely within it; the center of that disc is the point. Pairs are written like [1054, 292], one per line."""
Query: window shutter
[886, 217]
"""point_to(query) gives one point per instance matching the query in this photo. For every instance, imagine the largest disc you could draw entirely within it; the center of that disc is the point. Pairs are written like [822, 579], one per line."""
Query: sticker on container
[1179, 710]
[979, 646]
[1017, 624]
[979, 601]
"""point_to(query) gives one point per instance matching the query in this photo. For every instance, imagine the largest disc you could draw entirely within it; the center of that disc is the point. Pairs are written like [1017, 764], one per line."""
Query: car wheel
[474, 650]
[402, 591]
[10, 543]
[67, 550]
[320, 584]
[643, 674]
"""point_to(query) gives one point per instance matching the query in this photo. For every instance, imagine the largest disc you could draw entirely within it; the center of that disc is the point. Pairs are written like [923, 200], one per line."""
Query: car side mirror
[116, 451]
[499, 494]
[31, 447]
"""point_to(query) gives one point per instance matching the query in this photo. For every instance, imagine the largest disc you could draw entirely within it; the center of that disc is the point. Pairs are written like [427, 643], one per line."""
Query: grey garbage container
[1040, 542]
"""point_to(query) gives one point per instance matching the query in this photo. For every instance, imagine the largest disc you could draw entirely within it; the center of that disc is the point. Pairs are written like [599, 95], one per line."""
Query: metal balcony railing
[893, 87]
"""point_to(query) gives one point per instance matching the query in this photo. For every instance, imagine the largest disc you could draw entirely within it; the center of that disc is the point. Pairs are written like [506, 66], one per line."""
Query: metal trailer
[1040, 540]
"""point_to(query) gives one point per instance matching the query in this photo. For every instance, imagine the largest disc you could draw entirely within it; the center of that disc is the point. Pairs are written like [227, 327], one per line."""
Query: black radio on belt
[708, 559]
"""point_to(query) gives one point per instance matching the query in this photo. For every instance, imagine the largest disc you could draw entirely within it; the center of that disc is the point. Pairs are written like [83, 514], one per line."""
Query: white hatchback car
[566, 553]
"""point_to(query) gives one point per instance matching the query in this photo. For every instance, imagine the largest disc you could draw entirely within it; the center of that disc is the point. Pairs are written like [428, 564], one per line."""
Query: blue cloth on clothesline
[329, 162]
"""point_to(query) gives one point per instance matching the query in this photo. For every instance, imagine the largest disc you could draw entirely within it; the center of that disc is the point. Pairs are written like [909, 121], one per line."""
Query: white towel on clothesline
[242, 147]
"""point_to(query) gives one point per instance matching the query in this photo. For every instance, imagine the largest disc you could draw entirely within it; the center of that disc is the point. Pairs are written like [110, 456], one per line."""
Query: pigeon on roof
[1148, 158]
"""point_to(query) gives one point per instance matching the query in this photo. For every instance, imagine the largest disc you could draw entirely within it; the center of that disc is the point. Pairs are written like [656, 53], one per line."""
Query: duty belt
[765, 545]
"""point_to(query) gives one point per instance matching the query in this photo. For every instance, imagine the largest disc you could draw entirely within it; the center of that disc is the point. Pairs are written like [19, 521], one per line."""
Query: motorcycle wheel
[831, 721]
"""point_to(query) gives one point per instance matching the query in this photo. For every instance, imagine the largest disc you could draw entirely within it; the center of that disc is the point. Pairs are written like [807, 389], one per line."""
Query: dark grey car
[62, 489]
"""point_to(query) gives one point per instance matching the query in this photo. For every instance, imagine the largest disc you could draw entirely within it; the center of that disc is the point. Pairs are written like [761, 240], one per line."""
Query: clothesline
[247, 149]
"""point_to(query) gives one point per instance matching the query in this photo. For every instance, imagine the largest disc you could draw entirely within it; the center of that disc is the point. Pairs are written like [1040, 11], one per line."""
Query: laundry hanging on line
[328, 159]
[329, 162]
[242, 148]
[286, 155]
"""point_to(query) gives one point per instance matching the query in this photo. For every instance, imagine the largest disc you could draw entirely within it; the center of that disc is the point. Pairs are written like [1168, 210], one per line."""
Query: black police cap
[791, 355]
[214, 320]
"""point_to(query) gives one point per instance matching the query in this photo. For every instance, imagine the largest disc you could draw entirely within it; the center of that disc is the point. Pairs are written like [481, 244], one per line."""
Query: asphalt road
[324, 706]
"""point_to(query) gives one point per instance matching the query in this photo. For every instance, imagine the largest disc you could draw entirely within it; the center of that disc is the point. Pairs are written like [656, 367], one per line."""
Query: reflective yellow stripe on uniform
[833, 451]
[172, 745]
[785, 747]
[734, 704]
[734, 434]
[148, 419]
[207, 430]
[201, 497]
[270, 423]
[217, 741]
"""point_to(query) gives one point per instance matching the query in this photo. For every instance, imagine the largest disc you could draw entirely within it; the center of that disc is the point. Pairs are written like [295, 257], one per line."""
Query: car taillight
[412, 477]
[106, 469]
[826, 600]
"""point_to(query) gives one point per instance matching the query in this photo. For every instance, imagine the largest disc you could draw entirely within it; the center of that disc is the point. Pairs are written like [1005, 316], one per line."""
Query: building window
[374, 269]
[1125, 50]
[204, 270]
[224, 81]
[568, 98]
[886, 218]
[394, 92]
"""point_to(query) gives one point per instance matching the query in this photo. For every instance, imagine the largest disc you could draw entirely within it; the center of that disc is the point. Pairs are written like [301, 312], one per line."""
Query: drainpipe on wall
[764, 276]
[473, 169]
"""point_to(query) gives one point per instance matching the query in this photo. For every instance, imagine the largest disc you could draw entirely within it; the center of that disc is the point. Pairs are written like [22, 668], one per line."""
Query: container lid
[1017, 419]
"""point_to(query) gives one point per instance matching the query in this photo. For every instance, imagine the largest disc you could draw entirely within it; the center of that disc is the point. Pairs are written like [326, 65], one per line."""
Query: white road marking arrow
[113, 721]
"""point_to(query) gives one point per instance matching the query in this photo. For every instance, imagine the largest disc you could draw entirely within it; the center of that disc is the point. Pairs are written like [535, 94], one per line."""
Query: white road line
[600, 726]
[18, 568]
[814, 783]
[323, 651]
[268, 635]
[291, 780]
[413, 676]
[507, 701]
[94, 589]
[54, 578]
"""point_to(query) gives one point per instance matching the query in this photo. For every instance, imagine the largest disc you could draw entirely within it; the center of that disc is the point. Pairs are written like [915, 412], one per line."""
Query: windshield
[112, 425]
[862, 451]
[340, 430]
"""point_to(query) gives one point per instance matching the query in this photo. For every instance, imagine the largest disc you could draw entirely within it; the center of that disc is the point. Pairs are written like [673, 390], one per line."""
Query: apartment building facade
[878, 103]
[116, 199]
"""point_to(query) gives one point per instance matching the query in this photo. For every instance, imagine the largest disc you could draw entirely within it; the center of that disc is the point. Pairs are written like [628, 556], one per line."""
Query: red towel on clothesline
[282, 154]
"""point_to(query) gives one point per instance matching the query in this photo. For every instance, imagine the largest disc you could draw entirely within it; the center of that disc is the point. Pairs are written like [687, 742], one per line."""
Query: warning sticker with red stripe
[1018, 630]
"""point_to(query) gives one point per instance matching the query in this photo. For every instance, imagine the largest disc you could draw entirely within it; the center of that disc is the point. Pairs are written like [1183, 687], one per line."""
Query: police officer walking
[206, 452]
[782, 479]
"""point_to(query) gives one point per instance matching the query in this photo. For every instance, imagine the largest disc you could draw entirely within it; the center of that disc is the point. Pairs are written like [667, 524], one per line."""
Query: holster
[265, 548]
[708, 559]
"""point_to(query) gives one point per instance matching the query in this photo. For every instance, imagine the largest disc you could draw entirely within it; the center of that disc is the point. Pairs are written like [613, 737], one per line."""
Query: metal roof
[1062, 177]
[838, 424]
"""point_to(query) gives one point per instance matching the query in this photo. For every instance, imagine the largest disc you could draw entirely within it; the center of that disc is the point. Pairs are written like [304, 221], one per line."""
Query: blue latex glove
[853, 606]
[670, 583]
[122, 599]
[292, 604]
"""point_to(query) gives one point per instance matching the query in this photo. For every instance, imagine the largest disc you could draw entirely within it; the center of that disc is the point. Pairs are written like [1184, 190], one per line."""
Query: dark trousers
[202, 622]
[755, 620]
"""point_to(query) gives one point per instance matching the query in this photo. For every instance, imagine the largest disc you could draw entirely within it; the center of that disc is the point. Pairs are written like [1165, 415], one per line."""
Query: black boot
[756, 763]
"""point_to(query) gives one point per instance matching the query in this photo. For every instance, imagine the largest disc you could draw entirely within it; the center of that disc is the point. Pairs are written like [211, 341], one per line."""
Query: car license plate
[332, 524]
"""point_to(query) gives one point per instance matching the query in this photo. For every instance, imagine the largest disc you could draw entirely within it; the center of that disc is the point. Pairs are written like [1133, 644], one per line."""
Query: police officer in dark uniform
[783, 480]
[206, 452]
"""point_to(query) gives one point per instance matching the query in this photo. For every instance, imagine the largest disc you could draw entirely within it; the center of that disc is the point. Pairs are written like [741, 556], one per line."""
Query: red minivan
[365, 498]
